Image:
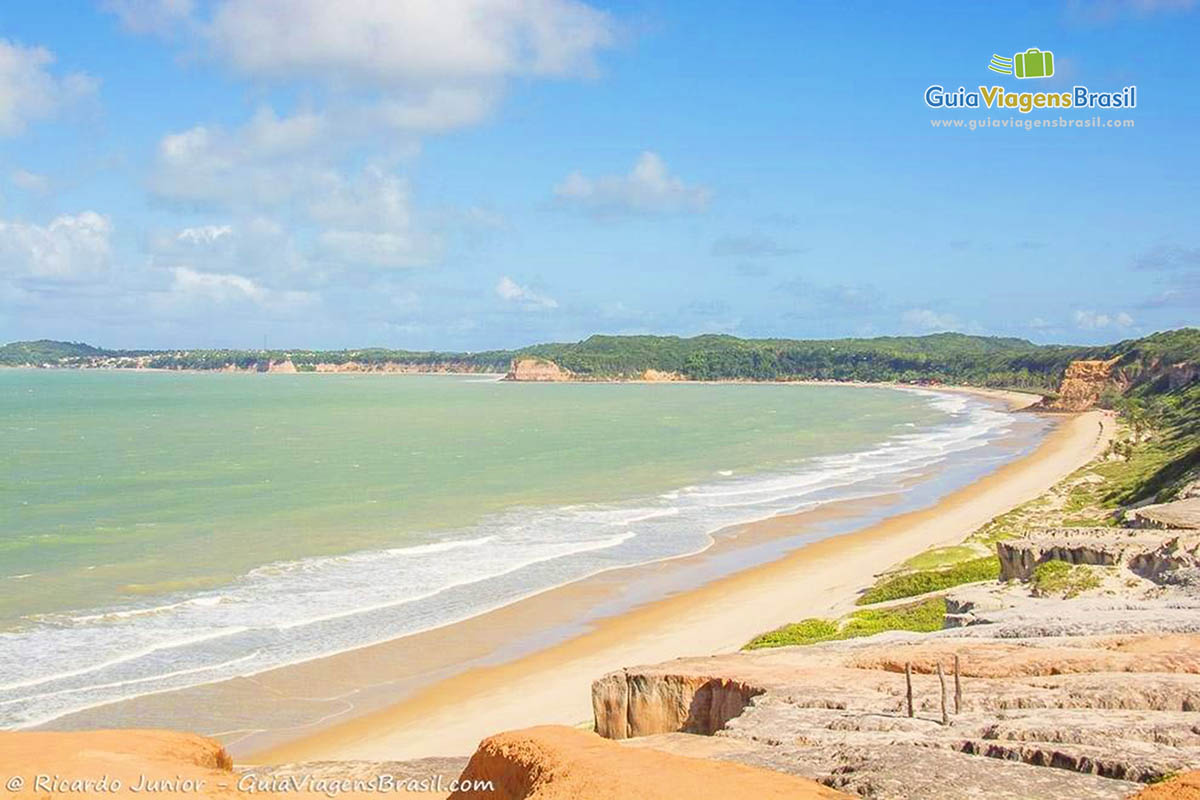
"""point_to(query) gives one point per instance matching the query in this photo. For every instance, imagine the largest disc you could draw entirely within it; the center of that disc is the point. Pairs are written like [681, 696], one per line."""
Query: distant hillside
[1153, 364]
[47, 351]
[945, 357]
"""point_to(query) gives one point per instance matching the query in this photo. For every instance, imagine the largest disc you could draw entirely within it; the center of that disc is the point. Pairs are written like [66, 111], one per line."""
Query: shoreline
[361, 680]
[552, 684]
[292, 703]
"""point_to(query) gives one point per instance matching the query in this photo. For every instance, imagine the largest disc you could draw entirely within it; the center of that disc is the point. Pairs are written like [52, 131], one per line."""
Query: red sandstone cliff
[1082, 385]
[536, 369]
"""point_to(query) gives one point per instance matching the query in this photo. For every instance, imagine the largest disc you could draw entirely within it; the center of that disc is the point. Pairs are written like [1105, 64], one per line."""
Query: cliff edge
[537, 369]
[1082, 385]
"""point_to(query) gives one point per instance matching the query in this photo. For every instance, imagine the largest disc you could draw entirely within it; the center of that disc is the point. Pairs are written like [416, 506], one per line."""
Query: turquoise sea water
[160, 530]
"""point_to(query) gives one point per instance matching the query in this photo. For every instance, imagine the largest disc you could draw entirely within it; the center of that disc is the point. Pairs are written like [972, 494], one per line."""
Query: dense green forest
[942, 357]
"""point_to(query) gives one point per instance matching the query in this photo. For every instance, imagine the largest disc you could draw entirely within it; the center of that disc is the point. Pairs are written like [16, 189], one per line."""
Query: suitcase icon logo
[1033, 63]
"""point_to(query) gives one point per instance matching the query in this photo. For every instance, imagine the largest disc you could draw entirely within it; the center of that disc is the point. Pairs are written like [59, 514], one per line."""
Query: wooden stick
[908, 683]
[942, 681]
[957, 687]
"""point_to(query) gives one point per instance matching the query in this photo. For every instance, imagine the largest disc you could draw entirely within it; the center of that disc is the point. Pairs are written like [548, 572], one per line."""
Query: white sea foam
[292, 611]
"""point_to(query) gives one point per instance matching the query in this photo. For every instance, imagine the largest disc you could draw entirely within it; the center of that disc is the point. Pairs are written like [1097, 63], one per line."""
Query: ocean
[163, 530]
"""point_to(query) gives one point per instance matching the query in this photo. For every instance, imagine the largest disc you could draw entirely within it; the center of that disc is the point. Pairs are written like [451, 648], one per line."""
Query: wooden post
[908, 683]
[957, 687]
[942, 680]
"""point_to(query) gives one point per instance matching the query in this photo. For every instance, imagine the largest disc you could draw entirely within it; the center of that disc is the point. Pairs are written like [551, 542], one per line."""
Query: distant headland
[1075, 377]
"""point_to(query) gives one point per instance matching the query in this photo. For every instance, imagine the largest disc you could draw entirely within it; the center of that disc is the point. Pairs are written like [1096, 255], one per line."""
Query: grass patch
[941, 557]
[928, 615]
[1009, 524]
[910, 584]
[806, 631]
[925, 616]
[1060, 578]
[1104, 521]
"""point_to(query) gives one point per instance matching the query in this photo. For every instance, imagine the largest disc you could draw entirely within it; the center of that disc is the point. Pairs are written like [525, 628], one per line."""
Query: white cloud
[923, 319]
[1092, 320]
[255, 247]
[372, 249]
[361, 221]
[369, 221]
[373, 199]
[229, 289]
[29, 93]
[267, 161]
[406, 43]
[205, 234]
[32, 182]
[434, 110]
[375, 75]
[417, 66]
[69, 248]
[649, 187]
[510, 290]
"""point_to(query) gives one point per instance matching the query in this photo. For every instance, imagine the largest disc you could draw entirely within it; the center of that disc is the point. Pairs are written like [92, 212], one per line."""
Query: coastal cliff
[1082, 385]
[538, 370]
[1086, 375]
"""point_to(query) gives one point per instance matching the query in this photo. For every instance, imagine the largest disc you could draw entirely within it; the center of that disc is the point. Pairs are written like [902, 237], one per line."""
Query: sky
[474, 174]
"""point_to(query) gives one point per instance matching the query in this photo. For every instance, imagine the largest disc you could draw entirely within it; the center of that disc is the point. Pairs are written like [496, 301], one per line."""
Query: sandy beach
[552, 684]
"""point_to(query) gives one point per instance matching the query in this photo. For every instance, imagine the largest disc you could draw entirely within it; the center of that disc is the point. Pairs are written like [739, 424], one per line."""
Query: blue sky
[466, 174]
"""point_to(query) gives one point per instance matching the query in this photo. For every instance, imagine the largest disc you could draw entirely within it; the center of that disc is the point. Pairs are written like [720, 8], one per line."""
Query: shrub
[1058, 577]
[911, 584]
[927, 615]
[806, 631]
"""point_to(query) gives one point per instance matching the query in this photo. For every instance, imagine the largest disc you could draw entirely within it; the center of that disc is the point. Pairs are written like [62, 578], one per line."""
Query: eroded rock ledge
[638, 704]
[1145, 553]
[835, 713]
[1093, 691]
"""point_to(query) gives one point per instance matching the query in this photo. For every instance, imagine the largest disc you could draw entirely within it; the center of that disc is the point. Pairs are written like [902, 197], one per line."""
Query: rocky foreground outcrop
[168, 764]
[162, 762]
[1147, 554]
[1090, 690]
[559, 763]
[1178, 515]
[1181, 787]
[1107, 713]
